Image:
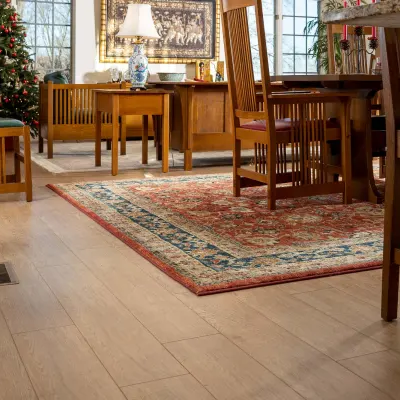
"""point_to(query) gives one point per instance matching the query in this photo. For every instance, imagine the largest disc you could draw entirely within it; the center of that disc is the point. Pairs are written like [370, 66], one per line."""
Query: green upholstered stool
[11, 183]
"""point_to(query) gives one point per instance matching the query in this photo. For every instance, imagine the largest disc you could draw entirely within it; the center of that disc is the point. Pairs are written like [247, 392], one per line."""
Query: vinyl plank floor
[381, 369]
[14, 381]
[355, 313]
[228, 372]
[309, 372]
[324, 333]
[62, 366]
[179, 388]
[160, 311]
[30, 305]
[128, 351]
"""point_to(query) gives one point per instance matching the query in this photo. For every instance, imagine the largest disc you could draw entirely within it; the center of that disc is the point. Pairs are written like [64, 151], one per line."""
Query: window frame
[36, 25]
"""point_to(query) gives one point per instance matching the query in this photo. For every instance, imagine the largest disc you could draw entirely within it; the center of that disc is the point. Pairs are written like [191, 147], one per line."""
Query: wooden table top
[288, 78]
[385, 14]
[328, 78]
[133, 92]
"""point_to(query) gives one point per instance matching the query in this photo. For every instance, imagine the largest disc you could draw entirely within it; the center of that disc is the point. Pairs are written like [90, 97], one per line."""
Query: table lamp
[138, 25]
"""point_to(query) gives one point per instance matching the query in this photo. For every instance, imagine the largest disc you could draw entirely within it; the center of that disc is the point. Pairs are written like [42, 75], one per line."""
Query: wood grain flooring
[91, 319]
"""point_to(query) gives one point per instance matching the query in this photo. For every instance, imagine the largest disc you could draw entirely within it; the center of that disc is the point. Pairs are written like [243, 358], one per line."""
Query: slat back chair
[391, 252]
[307, 130]
[67, 112]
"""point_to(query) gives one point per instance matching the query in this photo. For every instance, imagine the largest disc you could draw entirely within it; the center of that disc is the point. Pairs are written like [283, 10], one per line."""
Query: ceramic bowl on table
[171, 76]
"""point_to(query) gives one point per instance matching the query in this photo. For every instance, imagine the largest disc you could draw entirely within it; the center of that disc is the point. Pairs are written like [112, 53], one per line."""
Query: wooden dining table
[363, 88]
[200, 119]
[385, 14]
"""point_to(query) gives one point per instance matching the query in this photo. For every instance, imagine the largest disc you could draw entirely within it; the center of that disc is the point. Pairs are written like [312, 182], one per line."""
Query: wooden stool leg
[17, 162]
[3, 176]
[145, 139]
[27, 162]
[165, 135]
[158, 137]
[123, 135]
[98, 140]
[115, 136]
[108, 144]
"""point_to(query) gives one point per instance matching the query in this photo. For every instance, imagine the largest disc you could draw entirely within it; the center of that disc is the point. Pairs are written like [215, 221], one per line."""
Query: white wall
[87, 67]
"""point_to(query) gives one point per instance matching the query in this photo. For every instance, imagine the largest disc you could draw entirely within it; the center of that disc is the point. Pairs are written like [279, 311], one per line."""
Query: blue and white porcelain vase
[138, 66]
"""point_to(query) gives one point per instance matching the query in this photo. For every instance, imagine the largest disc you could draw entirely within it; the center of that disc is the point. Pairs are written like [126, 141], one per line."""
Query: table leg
[391, 250]
[363, 180]
[145, 139]
[98, 140]
[165, 135]
[115, 136]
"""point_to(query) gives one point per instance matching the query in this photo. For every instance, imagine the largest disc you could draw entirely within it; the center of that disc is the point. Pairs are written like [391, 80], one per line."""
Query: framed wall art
[189, 30]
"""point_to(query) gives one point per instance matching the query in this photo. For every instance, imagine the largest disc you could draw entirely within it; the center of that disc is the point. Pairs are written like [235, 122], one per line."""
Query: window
[48, 26]
[295, 44]
[287, 44]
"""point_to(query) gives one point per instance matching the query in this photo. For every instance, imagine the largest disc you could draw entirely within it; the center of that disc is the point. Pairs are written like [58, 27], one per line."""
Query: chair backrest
[74, 104]
[239, 60]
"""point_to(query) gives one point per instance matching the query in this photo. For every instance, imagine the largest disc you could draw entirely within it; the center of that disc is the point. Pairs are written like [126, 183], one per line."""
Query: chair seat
[283, 125]
[10, 123]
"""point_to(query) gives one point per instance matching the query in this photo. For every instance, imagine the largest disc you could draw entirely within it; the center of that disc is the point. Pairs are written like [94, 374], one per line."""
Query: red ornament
[13, 71]
[1, 51]
[12, 40]
[12, 18]
[6, 100]
[14, 54]
[10, 45]
[8, 1]
[25, 81]
[14, 25]
[26, 61]
[35, 122]
[16, 96]
[2, 27]
[6, 31]
[25, 93]
[25, 35]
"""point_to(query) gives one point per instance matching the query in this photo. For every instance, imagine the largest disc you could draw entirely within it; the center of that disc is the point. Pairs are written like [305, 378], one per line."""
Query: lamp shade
[138, 22]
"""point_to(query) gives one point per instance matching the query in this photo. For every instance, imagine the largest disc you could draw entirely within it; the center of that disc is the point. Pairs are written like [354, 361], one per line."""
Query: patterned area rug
[194, 230]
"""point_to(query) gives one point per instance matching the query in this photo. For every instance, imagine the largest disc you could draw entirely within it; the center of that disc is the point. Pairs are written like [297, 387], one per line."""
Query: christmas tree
[19, 84]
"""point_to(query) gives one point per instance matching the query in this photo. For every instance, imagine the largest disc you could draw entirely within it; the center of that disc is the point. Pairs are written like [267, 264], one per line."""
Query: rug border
[219, 288]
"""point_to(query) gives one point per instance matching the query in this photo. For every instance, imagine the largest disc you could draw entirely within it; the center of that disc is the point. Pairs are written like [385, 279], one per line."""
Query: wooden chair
[11, 183]
[391, 252]
[67, 113]
[307, 131]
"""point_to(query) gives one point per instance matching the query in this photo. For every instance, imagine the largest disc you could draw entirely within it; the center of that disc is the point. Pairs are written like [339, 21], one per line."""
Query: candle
[345, 26]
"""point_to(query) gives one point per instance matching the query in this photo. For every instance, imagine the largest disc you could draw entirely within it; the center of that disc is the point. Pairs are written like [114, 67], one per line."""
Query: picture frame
[189, 30]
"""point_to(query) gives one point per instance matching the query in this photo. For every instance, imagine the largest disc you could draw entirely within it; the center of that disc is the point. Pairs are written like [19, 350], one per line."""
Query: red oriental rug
[194, 230]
